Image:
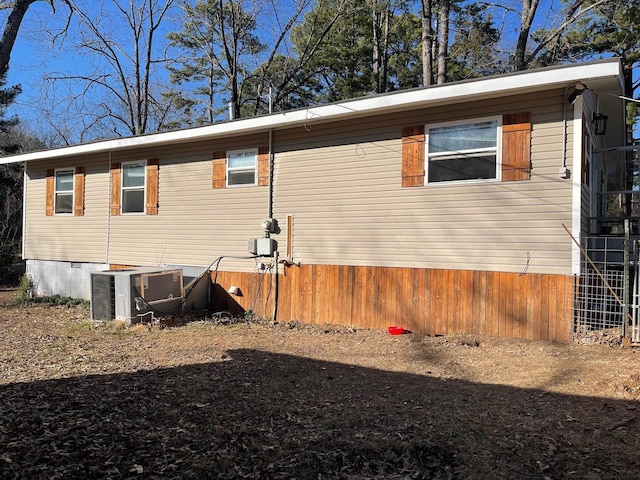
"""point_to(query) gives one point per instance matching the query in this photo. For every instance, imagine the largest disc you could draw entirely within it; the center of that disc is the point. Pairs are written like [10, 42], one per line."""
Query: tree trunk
[443, 47]
[385, 47]
[427, 43]
[380, 16]
[376, 30]
[529, 8]
[11, 33]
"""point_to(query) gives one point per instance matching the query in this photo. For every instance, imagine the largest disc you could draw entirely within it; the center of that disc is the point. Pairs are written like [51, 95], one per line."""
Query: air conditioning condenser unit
[130, 294]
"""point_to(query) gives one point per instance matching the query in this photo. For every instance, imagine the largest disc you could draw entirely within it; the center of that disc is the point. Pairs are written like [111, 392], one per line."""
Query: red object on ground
[396, 330]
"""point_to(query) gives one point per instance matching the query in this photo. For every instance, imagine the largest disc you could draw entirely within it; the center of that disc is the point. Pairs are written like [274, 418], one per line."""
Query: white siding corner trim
[576, 179]
[24, 209]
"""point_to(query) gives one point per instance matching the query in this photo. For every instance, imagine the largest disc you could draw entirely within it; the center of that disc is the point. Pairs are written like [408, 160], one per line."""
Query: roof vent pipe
[230, 105]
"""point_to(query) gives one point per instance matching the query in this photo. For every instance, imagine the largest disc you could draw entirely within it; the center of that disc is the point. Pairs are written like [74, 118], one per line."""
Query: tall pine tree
[10, 182]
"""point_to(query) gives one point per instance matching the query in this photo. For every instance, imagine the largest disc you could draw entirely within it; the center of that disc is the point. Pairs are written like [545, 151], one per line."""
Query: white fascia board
[510, 84]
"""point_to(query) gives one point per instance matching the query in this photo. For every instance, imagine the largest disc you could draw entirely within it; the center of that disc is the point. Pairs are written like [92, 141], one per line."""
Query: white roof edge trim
[483, 87]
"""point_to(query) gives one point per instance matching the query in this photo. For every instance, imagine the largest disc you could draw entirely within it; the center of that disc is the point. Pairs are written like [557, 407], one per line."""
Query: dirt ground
[266, 400]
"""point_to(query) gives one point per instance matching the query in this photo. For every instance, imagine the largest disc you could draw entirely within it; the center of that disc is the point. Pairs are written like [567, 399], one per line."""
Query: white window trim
[466, 121]
[56, 191]
[123, 188]
[254, 151]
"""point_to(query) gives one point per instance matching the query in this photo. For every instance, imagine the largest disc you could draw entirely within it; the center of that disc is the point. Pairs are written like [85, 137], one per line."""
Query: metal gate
[603, 304]
[607, 291]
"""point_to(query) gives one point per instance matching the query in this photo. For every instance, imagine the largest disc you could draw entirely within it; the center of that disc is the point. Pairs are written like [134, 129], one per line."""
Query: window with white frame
[63, 193]
[241, 167]
[133, 187]
[462, 151]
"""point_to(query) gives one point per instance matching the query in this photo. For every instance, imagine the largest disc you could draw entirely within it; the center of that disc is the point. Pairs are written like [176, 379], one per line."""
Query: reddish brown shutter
[152, 186]
[263, 166]
[49, 192]
[115, 189]
[516, 147]
[78, 192]
[219, 176]
[413, 156]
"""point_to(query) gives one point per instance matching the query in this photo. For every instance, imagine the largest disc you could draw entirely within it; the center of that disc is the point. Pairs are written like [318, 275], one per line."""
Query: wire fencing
[601, 300]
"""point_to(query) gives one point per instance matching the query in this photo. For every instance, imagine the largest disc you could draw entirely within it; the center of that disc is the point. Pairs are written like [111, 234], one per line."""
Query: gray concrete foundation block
[67, 279]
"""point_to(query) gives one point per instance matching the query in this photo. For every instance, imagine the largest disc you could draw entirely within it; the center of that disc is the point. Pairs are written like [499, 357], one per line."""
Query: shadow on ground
[263, 415]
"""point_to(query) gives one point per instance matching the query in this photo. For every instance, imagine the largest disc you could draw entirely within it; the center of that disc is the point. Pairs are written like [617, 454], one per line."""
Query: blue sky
[35, 55]
[28, 59]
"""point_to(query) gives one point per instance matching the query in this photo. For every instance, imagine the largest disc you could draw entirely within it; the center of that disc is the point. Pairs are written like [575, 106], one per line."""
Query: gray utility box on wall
[263, 247]
[131, 293]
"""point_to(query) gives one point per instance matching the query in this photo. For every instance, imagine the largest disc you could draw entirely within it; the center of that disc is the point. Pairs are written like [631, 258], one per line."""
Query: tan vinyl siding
[68, 237]
[350, 207]
[343, 183]
[195, 223]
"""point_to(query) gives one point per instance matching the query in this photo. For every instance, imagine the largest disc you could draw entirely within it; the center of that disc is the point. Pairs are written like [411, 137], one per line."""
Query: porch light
[600, 123]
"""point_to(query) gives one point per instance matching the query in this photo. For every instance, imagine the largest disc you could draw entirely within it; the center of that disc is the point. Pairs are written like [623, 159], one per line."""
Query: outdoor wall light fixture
[577, 91]
[600, 123]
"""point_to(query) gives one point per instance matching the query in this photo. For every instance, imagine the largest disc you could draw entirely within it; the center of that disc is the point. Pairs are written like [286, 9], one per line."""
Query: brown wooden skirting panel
[114, 266]
[435, 302]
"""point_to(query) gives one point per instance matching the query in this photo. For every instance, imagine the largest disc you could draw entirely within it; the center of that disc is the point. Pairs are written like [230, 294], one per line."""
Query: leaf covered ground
[263, 400]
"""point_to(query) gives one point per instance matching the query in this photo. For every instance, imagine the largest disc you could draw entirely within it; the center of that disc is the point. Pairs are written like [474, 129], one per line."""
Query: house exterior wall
[195, 223]
[597, 168]
[67, 238]
[342, 184]
[487, 258]
[365, 241]
[349, 207]
[421, 300]
[372, 253]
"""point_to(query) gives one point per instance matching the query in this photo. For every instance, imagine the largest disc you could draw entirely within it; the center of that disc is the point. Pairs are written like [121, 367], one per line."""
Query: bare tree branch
[12, 26]
[123, 35]
[576, 11]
